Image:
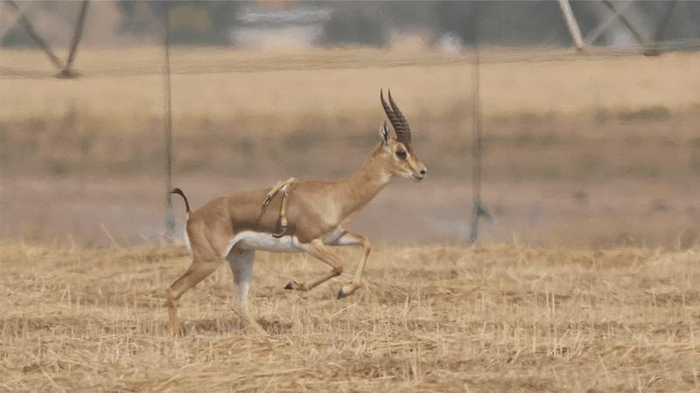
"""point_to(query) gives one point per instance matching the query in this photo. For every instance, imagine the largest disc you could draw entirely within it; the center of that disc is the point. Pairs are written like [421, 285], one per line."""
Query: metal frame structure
[649, 48]
[65, 69]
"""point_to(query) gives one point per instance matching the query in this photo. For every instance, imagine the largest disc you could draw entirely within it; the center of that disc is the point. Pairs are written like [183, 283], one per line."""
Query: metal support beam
[35, 36]
[572, 24]
[67, 72]
[5, 29]
[65, 68]
[635, 34]
[594, 34]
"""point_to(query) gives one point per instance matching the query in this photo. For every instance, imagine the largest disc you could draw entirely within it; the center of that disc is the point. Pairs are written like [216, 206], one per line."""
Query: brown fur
[314, 209]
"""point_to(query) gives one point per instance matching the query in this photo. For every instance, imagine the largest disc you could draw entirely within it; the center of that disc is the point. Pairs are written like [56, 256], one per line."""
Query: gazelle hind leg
[198, 271]
[241, 263]
[325, 254]
[353, 239]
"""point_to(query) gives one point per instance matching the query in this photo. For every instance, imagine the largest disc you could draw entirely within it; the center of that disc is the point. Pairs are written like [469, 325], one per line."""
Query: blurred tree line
[192, 22]
[373, 22]
[537, 22]
[495, 22]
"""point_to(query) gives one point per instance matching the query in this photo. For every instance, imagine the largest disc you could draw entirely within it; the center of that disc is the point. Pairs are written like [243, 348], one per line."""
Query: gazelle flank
[233, 227]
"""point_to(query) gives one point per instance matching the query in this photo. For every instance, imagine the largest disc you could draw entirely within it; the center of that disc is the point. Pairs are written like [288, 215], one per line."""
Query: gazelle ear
[384, 133]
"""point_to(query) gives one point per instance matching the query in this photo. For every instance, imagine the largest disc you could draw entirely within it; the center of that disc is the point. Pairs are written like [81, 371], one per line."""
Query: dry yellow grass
[433, 318]
[293, 87]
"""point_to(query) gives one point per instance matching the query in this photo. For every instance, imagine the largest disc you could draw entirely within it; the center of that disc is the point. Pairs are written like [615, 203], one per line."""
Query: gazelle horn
[403, 131]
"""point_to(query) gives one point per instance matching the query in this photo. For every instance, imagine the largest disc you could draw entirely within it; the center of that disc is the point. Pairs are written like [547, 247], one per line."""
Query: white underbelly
[249, 240]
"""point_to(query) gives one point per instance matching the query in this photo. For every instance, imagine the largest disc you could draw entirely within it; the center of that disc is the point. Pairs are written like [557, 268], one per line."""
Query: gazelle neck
[356, 191]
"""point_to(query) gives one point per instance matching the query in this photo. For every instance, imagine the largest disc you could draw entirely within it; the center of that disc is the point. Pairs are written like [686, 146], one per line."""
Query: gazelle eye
[401, 154]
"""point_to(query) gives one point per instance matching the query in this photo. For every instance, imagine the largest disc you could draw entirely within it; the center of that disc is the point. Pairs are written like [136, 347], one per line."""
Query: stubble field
[596, 152]
[433, 318]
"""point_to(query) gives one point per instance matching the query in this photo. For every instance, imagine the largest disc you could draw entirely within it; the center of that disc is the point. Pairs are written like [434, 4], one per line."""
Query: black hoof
[341, 294]
[290, 285]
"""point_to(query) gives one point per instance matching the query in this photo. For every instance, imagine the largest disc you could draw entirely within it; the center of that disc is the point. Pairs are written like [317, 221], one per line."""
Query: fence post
[476, 134]
[169, 216]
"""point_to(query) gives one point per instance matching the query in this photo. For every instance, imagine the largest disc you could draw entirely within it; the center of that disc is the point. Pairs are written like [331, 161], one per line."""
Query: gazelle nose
[423, 172]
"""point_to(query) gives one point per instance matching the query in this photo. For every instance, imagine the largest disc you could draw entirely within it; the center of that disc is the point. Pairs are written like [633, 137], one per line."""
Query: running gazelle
[233, 227]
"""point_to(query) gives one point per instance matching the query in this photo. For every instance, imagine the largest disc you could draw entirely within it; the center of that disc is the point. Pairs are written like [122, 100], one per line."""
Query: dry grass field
[299, 87]
[595, 152]
[434, 318]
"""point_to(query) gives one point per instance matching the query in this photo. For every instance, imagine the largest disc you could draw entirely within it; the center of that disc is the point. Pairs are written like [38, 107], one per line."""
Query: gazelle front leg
[325, 254]
[353, 239]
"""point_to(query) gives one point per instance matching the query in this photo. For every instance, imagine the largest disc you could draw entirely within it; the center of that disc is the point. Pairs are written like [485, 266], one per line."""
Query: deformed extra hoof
[282, 233]
[297, 286]
[341, 294]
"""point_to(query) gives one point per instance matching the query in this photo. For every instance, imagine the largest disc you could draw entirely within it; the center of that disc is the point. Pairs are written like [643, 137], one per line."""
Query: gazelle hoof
[341, 294]
[299, 286]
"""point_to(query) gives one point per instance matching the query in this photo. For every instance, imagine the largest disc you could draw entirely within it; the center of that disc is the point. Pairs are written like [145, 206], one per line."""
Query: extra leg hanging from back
[282, 186]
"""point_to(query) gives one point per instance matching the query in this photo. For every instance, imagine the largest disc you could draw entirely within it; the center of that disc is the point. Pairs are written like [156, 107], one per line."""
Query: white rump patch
[187, 240]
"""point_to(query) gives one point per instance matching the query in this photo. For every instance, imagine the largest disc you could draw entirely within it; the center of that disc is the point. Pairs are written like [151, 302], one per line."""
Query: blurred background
[592, 147]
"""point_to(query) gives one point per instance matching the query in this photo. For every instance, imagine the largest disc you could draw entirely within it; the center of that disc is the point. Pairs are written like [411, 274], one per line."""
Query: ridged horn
[403, 131]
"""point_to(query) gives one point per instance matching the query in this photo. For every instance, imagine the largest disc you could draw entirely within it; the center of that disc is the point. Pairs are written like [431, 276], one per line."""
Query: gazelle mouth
[417, 178]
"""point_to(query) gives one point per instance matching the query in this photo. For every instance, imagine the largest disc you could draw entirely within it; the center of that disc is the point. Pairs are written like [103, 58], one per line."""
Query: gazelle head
[398, 150]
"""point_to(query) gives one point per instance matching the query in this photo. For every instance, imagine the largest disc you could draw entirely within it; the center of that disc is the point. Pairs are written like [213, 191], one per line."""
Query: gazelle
[234, 227]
